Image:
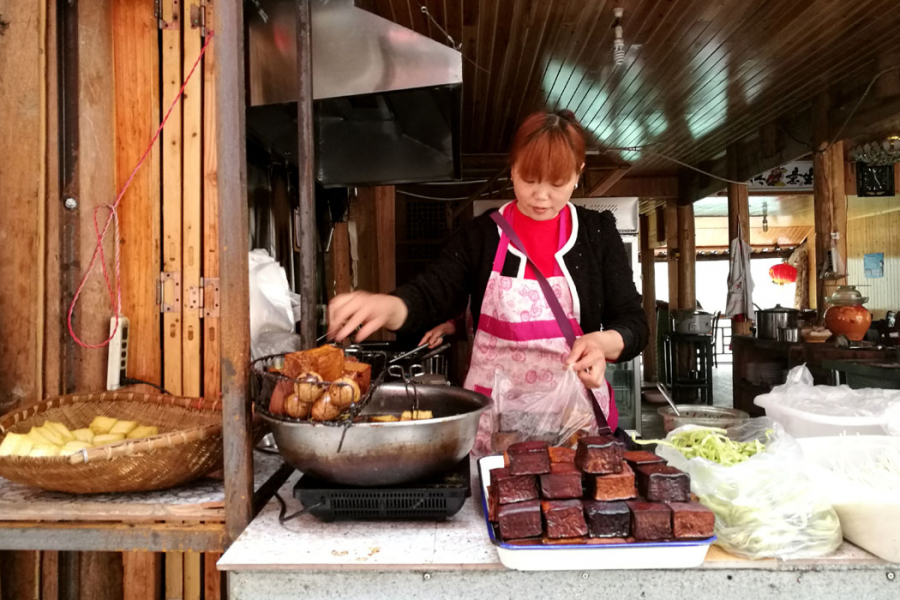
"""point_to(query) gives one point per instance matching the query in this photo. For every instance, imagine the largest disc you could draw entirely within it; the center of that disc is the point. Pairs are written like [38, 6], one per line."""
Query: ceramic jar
[847, 316]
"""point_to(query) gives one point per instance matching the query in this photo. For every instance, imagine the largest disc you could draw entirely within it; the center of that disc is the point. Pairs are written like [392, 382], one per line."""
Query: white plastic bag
[766, 506]
[554, 416]
[271, 307]
[799, 393]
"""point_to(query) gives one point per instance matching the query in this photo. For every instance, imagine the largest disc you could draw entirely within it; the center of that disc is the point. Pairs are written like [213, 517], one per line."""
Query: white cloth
[740, 282]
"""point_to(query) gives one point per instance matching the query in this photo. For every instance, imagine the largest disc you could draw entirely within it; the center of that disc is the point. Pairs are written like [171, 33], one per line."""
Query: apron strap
[555, 307]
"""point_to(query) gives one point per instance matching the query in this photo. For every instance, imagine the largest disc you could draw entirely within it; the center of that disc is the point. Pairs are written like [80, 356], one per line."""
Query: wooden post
[191, 224]
[340, 256]
[306, 179]
[672, 251]
[143, 575]
[23, 106]
[234, 222]
[648, 290]
[829, 195]
[193, 576]
[212, 578]
[174, 575]
[172, 203]
[738, 218]
[687, 260]
[385, 210]
[212, 383]
[136, 90]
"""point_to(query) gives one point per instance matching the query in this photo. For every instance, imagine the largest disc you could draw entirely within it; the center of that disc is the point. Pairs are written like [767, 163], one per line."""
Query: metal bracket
[210, 296]
[198, 17]
[176, 14]
[175, 306]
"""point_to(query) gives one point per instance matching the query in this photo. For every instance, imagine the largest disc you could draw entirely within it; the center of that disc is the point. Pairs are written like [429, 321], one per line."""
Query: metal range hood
[387, 101]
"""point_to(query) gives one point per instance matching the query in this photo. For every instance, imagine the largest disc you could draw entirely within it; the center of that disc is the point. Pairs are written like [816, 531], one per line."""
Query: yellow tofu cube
[44, 450]
[73, 447]
[417, 415]
[84, 435]
[51, 435]
[11, 443]
[123, 427]
[61, 430]
[38, 438]
[25, 446]
[143, 431]
[101, 424]
[385, 419]
[108, 438]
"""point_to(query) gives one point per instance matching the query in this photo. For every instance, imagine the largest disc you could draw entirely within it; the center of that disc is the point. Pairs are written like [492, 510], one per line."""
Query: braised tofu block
[595, 541]
[660, 483]
[525, 542]
[493, 503]
[615, 486]
[563, 481]
[578, 541]
[691, 520]
[650, 520]
[599, 455]
[529, 458]
[639, 458]
[327, 361]
[607, 519]
[561, 455]
[565, 518]
[514, 488]
[359, 372]
[520, 520]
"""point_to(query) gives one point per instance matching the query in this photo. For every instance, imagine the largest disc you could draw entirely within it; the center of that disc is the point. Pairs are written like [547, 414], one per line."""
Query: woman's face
[542, 200]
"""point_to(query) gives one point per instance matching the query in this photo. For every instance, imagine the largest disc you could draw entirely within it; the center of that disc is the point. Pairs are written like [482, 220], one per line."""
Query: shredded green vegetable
[712, 444]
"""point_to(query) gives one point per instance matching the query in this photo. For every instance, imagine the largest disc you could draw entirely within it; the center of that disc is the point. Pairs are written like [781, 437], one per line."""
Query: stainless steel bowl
[387, 453]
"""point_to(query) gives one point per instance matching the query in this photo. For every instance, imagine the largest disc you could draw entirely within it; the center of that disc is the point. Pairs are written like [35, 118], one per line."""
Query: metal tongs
[406, 375]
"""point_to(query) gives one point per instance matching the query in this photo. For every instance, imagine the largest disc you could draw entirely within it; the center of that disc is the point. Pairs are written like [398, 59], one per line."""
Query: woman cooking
[578, 252]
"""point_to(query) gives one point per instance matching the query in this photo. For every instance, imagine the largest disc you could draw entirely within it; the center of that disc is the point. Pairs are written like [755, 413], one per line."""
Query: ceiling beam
[605, 181]
[661, 187]
[479, 165]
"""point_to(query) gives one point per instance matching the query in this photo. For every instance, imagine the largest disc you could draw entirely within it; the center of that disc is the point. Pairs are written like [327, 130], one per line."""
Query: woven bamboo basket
[188, 446]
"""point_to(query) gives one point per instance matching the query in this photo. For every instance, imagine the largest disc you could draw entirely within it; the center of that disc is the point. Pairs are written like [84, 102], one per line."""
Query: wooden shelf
[189, 517]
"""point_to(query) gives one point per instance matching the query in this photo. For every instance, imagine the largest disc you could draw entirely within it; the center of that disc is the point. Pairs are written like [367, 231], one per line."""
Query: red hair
[548, 147]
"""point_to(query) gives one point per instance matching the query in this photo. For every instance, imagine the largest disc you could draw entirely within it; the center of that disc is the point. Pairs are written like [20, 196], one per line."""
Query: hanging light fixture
[765, 222]
[878, 153]
[783, 273]
[618, 42]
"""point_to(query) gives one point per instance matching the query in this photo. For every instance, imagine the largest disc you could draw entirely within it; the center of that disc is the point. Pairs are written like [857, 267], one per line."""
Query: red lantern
[783, 273]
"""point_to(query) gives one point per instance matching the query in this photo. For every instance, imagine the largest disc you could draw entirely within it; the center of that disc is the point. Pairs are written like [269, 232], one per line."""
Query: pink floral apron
[518, 334]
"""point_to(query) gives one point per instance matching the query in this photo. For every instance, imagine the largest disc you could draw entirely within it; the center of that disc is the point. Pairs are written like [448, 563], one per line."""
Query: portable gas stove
[433, 499]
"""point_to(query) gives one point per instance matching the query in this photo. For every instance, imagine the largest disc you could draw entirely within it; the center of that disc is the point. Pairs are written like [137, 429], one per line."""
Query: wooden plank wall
[23, 164]
[873, 234]
[22, 187]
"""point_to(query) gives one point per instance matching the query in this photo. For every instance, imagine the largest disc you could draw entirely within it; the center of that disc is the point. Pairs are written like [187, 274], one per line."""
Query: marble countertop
[460, 543]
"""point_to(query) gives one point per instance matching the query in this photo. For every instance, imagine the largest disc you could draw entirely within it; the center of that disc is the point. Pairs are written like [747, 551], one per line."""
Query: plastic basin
[870, 518]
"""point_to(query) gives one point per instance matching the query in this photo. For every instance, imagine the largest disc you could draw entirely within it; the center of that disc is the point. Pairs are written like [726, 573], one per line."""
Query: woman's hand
[588, 359]
[435, 336]
[368, 312]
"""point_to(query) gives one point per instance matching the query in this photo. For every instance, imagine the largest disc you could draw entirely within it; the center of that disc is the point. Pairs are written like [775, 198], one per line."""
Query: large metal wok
[387, 453]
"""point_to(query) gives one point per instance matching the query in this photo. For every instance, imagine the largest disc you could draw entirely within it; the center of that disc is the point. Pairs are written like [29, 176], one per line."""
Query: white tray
[639, 555]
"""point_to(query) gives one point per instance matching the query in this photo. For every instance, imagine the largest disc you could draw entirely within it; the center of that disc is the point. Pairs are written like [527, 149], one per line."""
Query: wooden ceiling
[697, 75]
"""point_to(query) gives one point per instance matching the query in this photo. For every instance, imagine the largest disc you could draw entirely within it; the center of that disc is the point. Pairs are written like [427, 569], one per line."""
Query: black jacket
[597, 265]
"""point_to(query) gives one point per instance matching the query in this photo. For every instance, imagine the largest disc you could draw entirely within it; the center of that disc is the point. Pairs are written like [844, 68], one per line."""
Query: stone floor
[723, 395]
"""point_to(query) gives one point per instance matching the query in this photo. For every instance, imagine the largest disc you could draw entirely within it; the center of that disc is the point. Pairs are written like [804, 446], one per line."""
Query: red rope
[115, 298]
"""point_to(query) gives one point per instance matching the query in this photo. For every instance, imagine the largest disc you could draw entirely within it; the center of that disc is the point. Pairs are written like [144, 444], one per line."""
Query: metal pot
[789, 334]
[770, 320]
[695, 322]
[387, 453]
